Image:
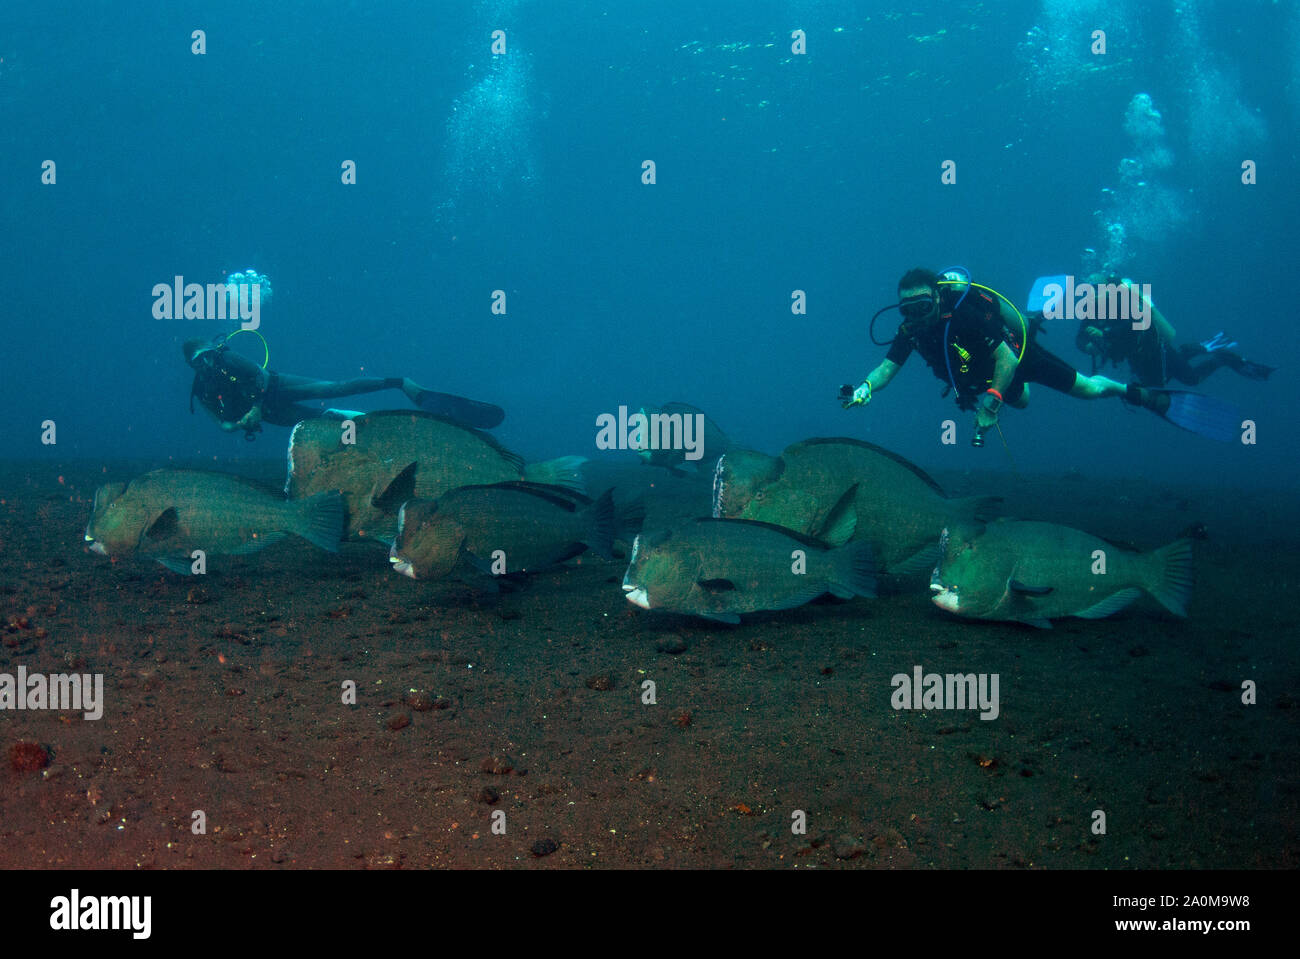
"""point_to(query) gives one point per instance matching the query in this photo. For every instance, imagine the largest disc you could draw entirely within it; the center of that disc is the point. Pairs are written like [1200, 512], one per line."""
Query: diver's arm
[250, 422]
[1004, 368]
[989, 402]
[879, 377]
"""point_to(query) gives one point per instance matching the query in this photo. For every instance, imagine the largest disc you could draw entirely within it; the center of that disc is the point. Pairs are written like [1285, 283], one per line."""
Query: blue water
[775, 172]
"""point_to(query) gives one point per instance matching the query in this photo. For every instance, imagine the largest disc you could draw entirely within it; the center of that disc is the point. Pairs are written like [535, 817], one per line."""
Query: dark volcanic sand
[224, 694]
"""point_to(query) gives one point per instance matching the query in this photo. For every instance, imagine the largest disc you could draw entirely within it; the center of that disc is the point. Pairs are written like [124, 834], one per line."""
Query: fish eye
[759, 495]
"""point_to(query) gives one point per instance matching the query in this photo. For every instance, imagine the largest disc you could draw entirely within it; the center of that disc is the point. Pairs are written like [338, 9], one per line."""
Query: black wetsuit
[1153, 363]
[961, 344]
[229, 385]
[226, 384]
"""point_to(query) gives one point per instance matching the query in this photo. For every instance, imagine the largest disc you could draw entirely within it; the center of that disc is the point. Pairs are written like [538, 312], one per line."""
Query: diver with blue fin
[981, 346]
[242, 395]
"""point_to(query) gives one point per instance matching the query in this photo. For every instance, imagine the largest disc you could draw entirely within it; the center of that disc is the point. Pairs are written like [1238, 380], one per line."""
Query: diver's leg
[413, 390]
[1181, 368]
[1100, 387]
[1053, 372]
[1240, 365]
[306, 388]
[1095, 387]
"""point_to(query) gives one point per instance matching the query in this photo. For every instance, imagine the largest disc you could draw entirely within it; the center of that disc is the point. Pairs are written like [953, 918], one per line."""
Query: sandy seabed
[224, 693]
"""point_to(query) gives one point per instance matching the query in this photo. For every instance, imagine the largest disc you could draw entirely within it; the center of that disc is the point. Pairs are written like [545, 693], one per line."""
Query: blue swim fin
[1204, 415]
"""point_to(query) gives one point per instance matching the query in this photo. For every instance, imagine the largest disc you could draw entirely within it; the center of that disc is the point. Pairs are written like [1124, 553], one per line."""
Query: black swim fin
[472, 413]
[1254, 371]
[1206, 416]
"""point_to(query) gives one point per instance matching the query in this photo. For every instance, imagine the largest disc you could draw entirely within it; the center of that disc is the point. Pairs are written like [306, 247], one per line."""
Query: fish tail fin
[854, 572]
[1171, 576]
[600, 536]
[563, 471]
[630, 519]
[322, 519]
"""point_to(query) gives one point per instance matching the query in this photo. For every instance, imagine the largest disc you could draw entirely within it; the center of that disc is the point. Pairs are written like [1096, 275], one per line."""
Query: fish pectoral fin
[1018, 587]
[179, 566]
[731, 619]
[842, 521]
[805, 596]
[716, 585]
[398, 491]
[164, 525]
[1110, 605]
[923, 560]
[476, 562]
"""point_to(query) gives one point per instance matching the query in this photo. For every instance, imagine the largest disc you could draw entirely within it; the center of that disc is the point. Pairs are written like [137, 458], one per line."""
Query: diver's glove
[850, 397]
[986, 414]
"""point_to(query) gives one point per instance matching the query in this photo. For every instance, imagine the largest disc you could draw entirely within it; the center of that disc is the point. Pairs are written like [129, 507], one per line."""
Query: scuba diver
[978, 343]
[242, 395]
[1151, 354]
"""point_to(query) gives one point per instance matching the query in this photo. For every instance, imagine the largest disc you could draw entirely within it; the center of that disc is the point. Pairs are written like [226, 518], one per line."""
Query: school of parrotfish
[747, 532]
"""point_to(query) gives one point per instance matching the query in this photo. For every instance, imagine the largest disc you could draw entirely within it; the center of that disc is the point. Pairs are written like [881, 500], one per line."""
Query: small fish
[1035, 572]
[719, 568]
[167, 514]
[500, 528]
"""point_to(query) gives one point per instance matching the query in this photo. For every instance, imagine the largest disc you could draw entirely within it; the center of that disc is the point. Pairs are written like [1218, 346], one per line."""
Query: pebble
[846, 847]
[419, 700]
[672, 645]
[497, 765]
[399, 721]
[28, 757]
[544, 847]
[488, 795]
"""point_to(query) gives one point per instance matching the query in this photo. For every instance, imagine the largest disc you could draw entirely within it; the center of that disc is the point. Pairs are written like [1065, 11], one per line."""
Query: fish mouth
[945, 597]
[637, 596]
[400, 565]
[96, 546]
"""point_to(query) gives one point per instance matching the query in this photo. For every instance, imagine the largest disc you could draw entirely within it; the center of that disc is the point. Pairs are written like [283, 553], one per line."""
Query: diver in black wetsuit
[242, 395]
[1152, 355]
[976, 343]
